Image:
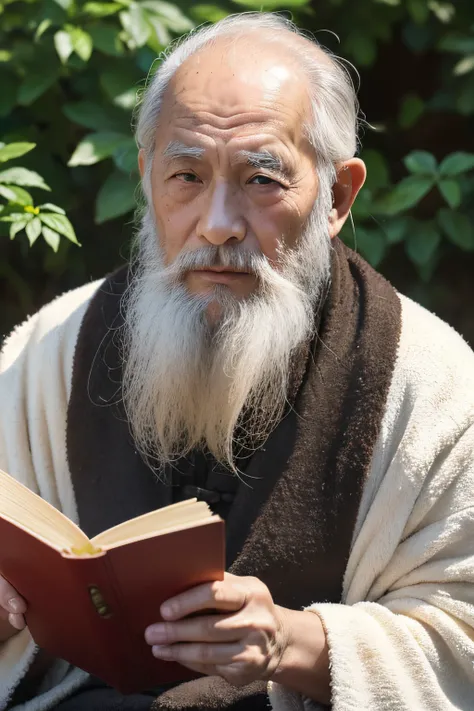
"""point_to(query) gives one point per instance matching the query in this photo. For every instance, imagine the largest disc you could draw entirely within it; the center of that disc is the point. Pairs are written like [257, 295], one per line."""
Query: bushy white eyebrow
[262, 159]
[266, 160]
[177, 149]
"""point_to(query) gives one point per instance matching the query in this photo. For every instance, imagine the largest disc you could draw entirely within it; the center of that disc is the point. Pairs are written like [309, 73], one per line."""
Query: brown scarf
[293, 528]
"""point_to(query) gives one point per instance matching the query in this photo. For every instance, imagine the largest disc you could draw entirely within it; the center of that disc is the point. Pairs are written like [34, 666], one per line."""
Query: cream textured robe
[403, 639]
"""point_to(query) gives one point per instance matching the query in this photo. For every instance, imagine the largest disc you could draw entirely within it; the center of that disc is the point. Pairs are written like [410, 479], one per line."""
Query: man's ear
[141, 161]
[349, 180]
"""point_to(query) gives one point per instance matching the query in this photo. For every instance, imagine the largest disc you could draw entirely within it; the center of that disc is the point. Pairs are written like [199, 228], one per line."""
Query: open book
[90, 600]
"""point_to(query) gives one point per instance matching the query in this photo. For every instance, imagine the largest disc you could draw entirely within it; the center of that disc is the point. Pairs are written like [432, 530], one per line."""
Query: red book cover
[92, 610]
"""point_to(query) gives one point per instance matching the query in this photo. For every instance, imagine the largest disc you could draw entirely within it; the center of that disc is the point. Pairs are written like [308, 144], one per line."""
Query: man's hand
[12, 609]
[243, 644]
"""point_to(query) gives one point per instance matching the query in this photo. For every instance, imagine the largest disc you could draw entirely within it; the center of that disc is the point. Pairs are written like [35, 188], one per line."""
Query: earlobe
[350, 178]
[332, 223]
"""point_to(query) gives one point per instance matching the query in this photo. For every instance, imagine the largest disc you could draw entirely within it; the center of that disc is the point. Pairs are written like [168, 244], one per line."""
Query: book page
[174, 516]
[23, 507]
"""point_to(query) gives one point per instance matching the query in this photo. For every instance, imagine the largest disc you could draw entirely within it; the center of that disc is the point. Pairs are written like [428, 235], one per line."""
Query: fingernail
[14, 605]
[161, 652]
[155, 634]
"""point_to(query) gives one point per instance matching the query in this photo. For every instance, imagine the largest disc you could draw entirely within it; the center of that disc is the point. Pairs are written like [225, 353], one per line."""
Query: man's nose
[222, 220]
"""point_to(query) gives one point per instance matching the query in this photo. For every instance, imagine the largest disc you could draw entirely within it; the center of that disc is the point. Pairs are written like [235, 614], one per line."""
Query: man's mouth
[221, 270]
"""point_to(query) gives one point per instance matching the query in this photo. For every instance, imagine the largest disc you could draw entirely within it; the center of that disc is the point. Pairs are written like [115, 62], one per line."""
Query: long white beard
[186, 381]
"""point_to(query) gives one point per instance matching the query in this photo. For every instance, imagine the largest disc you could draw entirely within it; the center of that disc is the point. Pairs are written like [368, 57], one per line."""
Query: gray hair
[332, 129]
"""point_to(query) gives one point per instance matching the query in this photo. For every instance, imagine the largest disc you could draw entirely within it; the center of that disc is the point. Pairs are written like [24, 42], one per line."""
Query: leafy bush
[71, 71]
[47, 220]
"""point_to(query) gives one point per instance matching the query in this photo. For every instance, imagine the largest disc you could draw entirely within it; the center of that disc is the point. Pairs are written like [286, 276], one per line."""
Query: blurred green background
[70, 71]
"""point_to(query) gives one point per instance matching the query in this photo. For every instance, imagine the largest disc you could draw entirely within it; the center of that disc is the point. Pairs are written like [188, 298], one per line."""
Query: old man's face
[233, 252]
[232, 165]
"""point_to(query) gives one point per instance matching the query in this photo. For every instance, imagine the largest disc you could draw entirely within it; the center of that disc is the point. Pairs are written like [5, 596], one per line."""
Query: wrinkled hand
[12, 609]
[244, 643]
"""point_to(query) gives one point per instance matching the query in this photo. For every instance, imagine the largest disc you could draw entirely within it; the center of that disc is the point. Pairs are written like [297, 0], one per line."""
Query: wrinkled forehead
[240, 83]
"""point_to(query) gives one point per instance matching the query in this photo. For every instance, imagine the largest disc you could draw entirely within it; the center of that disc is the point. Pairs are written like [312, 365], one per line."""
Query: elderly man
[247, 357]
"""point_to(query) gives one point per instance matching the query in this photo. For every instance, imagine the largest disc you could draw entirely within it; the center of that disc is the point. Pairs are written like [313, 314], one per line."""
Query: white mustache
[223, 256]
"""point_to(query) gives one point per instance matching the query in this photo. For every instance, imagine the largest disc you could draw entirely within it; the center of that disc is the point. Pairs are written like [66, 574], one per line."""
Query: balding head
[331, 125]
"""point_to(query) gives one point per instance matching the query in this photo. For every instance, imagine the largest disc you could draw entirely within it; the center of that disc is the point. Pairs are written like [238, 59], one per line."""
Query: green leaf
[126, 157]
[8, 94]
[120, 84]
[411, 109]
[422, 243]
[421, 163]
[444, 11]
[464, 66]
[270, 4]
[107, 40]
[33, 230]
[102, 9]
[8, 193]
[160, 35]
[145, 57]
[63, 44]
[82, 43]
[23, 197]
[418, 10]
[457, 163]
[43, 26]
[36, 82]
[64, 4]
[207, 13]
[16, 195]
[15, 150]
[371, 243]
[59, 223]
[16, 227]
[134, 22]
[377, 169]
[96, 116]
[396, 229]
[51, 10]
[48, 206]
[16, 216]
[461, 44]
[362, 47]
[451, 192]
[405, 195]
[51, 238]
[457, 227]
[172, 16]
[363, 206]
[22, 176]
[116, 197]
[465, 98]
[97, 146]
[427, 270]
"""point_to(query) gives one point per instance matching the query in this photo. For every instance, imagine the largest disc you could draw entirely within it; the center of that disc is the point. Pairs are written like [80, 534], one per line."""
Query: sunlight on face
[231, 163]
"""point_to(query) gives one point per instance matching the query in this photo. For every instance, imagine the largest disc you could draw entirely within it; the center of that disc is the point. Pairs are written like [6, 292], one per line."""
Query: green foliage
[71, 73]
[423, 239]
[19, 210]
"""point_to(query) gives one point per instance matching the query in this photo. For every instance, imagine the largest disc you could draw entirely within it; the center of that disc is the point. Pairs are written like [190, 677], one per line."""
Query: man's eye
[187, 177]
[263, 180]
